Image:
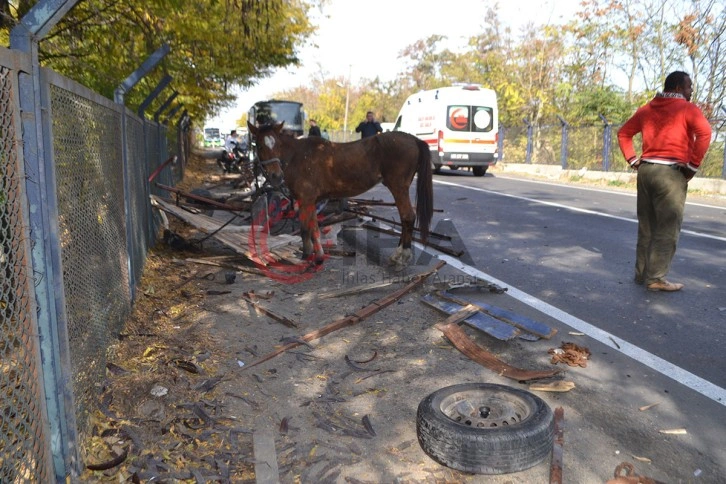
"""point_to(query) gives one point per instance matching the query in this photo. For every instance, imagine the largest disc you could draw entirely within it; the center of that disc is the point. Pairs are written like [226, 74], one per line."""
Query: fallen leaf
[674, 431]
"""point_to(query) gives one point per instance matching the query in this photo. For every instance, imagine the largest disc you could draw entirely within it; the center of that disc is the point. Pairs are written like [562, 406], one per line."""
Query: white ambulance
[460, 123]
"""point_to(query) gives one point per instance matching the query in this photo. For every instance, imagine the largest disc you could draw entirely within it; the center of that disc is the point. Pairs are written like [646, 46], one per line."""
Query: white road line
[684, 377]
[600, 190]
[575, 209]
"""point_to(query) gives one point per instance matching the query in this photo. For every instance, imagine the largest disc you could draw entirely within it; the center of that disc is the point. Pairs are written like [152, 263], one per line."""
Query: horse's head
[269, 145]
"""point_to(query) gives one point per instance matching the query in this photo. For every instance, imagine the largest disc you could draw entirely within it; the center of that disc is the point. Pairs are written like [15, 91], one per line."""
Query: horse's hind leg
[310, 233]
[402, 255]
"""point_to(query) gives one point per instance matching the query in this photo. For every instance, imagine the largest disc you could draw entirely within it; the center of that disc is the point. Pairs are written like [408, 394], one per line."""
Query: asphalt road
[574, 247]
[566, 255]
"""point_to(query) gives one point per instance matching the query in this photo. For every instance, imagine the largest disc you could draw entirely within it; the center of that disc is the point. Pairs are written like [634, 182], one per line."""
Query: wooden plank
[266, 469]
[530, 325]
[483, 322]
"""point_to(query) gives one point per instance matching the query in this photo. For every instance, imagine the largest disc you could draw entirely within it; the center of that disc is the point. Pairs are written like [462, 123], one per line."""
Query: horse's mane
[264, 128]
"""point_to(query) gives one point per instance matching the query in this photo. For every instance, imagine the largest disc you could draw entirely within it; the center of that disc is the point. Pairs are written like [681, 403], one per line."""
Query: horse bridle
[264, 163]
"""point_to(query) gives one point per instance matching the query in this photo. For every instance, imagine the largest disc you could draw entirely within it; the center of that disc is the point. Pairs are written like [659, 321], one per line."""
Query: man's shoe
[665, 286]
[639, 280]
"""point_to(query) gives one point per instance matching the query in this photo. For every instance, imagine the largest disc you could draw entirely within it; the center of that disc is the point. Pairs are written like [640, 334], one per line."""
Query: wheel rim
[485, 410]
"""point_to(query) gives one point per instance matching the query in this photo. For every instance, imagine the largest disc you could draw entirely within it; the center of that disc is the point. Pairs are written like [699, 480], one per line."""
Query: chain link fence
[92, 233]
[75, 227]
[24, 455]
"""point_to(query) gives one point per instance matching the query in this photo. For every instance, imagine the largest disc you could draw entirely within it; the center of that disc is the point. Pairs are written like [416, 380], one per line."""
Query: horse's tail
[424, 190]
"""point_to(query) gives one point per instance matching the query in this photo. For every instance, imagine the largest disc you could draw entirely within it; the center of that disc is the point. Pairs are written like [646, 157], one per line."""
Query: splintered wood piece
[258, 307]
[266, 470]
[558, 447]
[461, 341]
[554, 386]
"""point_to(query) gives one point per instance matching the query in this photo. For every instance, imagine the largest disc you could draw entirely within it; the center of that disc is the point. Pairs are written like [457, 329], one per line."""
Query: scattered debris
[463, 343]
[356, 290]
[476, 319]
[159, 391]
[110, 464]
[554, 386]
[115, 369]
[356, 317]
[642, 459]
[575, 333]
[647, 407]
[367, 424]
[475, 284]
[250, 298]
[571, 354]
[186, 366]
[674, 431]
[630, 477]
[509, 317]
[557, 447]
[614, 342]
[356, 367]
[284, 425]
[440, 248]
[266, 469]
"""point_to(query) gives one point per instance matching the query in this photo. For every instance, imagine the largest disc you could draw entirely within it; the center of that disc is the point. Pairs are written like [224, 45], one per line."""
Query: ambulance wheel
[437, 169]
[485, 428]
[454, 167]
[480, 170]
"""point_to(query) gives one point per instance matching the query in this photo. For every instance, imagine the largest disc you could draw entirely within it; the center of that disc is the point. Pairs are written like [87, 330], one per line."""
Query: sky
[363, 39]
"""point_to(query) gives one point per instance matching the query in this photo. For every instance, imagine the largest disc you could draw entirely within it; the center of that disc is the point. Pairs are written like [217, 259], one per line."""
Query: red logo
[459, 118]
[278, 209]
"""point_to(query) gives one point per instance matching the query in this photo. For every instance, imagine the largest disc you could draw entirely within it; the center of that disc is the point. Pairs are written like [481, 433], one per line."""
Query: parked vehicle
[212, 138]
[232, 161]
[459, 123]
[276, 111]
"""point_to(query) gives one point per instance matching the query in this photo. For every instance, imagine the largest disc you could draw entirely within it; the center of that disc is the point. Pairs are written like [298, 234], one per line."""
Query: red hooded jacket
[674, 130]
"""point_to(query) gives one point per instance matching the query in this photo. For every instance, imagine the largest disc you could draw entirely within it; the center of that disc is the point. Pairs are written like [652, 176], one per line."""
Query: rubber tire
[492, 450]
[437, 169]
[479, 170]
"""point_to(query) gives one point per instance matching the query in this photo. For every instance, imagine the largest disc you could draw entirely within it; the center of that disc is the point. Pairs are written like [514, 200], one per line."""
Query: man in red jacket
[676, 136]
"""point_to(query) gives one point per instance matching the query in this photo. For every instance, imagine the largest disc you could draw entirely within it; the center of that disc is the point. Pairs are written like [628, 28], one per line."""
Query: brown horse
[315, 169]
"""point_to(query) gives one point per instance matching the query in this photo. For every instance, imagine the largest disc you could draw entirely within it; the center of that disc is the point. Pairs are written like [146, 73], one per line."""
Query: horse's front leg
[310, 232]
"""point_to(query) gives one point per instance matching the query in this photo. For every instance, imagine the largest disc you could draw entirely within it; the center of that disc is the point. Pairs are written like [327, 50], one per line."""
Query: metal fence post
[45, 252]
[119, 95]
[165, 105]
[564, 142]
[723, 167]
[606, 139]
[530, 132]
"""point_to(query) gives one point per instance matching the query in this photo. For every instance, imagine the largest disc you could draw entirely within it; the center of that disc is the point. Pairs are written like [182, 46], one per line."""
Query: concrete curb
[553, 172]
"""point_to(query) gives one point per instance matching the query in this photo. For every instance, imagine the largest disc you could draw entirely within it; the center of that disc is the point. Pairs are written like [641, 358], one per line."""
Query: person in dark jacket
[314, 129]
[369, 127]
